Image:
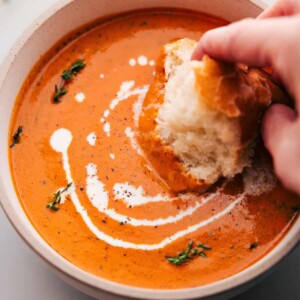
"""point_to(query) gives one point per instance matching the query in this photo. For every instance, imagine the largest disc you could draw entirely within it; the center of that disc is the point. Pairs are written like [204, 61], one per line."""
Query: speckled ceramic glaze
[34, 42]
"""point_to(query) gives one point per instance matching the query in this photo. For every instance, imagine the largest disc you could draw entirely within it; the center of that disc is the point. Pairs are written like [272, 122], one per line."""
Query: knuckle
[288, 7]
[292, 6]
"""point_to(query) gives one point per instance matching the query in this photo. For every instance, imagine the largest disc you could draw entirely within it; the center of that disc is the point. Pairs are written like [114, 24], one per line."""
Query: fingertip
[231, 43]
[201, 47]
[209, 44]
[198, 52]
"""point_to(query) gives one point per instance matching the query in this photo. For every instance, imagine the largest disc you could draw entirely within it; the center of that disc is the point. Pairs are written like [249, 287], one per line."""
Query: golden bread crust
[161, 156]
[238, 92]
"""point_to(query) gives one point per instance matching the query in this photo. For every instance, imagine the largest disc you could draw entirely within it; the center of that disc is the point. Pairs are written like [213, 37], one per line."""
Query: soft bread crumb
[176, 54]
[207, 141]
[199, 120]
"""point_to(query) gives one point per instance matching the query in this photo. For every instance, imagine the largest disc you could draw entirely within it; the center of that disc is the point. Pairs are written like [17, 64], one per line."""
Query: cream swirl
[98, 194]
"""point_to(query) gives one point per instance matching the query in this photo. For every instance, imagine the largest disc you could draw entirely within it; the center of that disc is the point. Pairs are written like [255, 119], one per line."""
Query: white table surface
[23, 276]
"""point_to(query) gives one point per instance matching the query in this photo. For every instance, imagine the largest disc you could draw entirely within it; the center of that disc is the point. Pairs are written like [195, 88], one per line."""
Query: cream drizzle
[130, 134]
[142, 60]
[125, 87]
[132, 62]
[92, 138]
[126, 91]
[106, 128]
[133, 196]
[80, 97]
[60, 142]
[96, 189]
[151, 63]
[106, 113]
[98, 196]
[138, 105]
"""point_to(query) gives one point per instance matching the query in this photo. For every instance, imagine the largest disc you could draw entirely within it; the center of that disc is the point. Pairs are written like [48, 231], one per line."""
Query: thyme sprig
[57, 198]
[16, 137]
[59, 92]
[253, 246]
[66, 77]
[76, 67]
[188, 254]
[182, 257]
[205, 247]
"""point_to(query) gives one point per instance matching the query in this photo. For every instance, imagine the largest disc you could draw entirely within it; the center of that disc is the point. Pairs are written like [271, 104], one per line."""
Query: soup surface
[118, 220]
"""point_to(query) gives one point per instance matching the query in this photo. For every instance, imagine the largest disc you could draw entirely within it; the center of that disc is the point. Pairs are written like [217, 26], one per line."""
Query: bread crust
[236, 91]
[161, 156]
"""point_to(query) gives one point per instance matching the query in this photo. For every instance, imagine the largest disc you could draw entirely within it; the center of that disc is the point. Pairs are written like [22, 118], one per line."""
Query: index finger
[258, 43]
[246, 41]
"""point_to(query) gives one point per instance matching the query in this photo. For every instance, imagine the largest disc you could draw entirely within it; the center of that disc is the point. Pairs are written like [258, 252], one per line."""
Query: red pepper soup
[89, 190]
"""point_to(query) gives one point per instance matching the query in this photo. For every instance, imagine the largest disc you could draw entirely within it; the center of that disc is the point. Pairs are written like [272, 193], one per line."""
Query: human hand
[273, 39]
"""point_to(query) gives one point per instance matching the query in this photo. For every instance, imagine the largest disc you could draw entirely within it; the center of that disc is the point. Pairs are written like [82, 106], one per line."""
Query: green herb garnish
[195, 252]
[66, 77]
[59, 92]
[182, 257]
[188, 254]
[16, 137]
[57, 198]
[253, 246]
[77, 66]
[205, 247]
[202, 254]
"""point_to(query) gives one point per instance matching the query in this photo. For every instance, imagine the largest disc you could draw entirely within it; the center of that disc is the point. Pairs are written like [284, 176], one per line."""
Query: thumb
[280, 134]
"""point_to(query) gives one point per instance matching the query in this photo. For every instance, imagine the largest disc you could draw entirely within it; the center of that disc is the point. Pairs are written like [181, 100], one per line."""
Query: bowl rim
[75, 274]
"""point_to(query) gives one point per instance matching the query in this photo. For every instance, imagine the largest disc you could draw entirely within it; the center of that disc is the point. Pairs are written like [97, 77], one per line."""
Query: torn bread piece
[199, 119]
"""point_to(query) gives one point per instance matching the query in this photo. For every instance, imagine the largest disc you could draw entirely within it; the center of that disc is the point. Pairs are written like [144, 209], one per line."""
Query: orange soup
[89, 191]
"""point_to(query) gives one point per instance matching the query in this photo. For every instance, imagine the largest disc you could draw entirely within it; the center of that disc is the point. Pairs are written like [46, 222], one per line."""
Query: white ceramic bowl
[35, 41]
